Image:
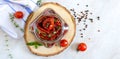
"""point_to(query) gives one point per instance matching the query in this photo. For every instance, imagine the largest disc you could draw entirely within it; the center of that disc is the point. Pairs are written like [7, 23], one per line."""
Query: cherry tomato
[63, 43]
[19, 14]
[82, 47]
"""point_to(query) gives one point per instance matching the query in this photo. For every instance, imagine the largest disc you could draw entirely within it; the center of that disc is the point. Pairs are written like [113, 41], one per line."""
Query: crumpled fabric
[8, 7]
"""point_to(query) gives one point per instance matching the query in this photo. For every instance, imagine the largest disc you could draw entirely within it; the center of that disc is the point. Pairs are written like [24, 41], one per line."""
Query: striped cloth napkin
[8, 7]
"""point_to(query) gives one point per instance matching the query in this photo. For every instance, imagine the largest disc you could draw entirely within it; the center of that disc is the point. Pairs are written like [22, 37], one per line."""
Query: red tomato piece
[63, 43]
[19, 14]
[51, 27]
[41, 29]
[82, 47]
[48, 23]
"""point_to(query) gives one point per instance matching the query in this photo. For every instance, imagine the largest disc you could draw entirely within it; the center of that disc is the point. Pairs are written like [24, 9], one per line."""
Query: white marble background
[103, 45]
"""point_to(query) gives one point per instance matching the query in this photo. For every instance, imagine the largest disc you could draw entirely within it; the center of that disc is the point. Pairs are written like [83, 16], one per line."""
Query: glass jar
[35, 29]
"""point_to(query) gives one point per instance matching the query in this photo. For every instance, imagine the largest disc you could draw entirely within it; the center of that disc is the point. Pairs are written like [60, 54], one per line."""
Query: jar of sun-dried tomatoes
[49, 27]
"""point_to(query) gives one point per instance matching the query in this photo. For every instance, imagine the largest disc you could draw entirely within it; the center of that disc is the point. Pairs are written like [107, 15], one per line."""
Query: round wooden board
[69, 36]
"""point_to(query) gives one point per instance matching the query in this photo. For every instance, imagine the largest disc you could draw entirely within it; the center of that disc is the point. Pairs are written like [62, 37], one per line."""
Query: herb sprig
[35, 44]
[7, 47]
[15, 24]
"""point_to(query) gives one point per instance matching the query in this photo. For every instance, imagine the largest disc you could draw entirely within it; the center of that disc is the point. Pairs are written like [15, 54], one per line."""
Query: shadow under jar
[49, 28]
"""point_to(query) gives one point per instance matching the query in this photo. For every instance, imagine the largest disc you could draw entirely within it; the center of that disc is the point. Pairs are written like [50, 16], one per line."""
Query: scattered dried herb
[78, 4]
[98, 18]
[98, 30]
[91, 20]
[82, 17]
[81, 36]
[89, 38]
[84, 29]
[86, 5]
[80, 30]
[91, 13]
[86, 26]
[86, 11]
[7, 47]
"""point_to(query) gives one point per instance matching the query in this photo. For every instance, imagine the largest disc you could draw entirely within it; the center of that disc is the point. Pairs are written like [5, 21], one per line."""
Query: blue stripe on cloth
[26, 8]
[14, 10]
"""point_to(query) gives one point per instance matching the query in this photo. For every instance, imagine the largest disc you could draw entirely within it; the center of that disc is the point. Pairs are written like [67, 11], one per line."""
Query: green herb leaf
[31, 43]
[16, 25]
[35, 44]
[11, 16]
[22, 29]
[58, 27]
[40, 45]
[37, 31]
[55, 20]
